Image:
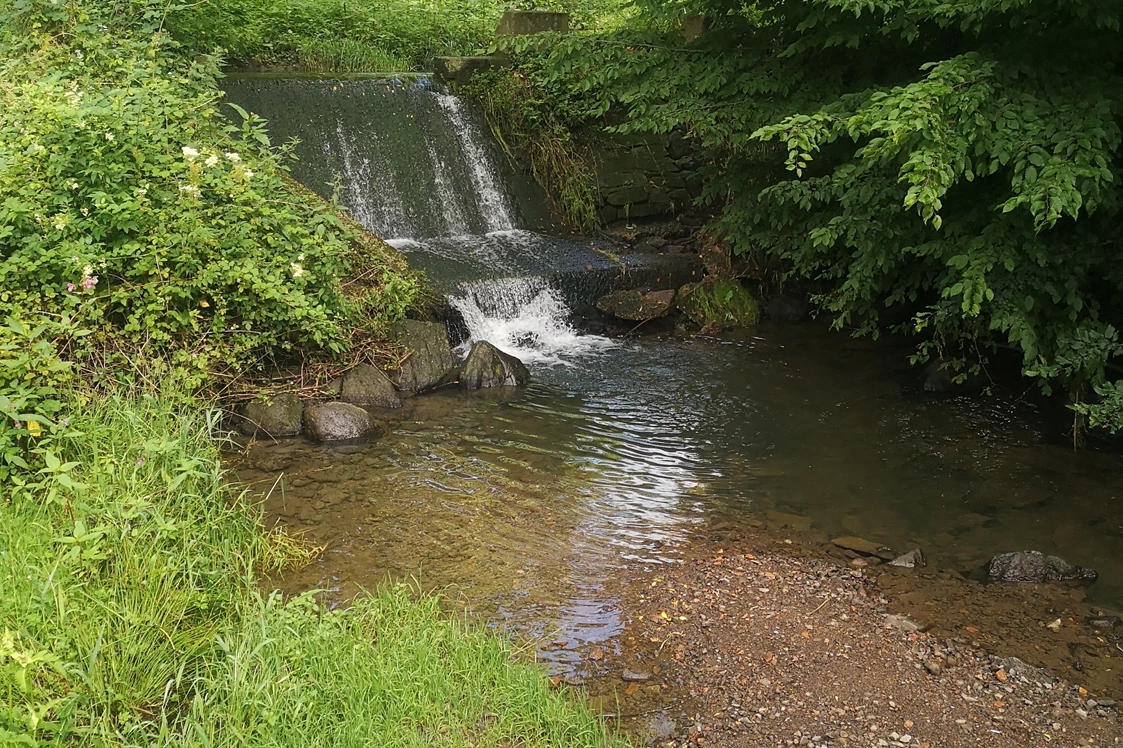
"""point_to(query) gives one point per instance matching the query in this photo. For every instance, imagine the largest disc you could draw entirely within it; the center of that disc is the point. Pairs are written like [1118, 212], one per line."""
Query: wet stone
[280, 415]
[368, 387]
[337, 422]
[430, 363]
[909, 560]
[487, 366]
[1034, 566]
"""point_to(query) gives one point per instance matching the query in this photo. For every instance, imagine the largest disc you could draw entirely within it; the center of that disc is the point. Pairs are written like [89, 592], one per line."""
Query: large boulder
[1034, 566]
[635, 305]
[430, 362]
[368, 387]
[280, 415]
[335, 421]
[487, 366]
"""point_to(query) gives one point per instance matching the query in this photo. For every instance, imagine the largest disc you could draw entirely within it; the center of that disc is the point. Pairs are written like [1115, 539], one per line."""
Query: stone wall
[645, 176]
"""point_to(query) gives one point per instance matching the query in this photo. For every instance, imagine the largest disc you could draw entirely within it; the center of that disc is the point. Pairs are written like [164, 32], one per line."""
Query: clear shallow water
[530, 503]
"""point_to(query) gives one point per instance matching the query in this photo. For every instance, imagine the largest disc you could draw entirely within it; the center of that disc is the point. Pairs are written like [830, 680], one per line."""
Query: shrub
[124, 187]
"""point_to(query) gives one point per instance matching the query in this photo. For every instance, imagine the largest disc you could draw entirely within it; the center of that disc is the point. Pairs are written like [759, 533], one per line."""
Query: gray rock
[636, 305]
[368, 387]
[1105, 623]
[909, 560]
[487, 366]
[858, 545]
[635, 676]
[1034, 566]
[280, 415]
[430, 363]
[329, 422]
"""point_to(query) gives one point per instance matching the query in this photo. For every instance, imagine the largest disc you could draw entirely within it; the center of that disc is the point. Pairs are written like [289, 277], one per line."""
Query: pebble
[635, 676]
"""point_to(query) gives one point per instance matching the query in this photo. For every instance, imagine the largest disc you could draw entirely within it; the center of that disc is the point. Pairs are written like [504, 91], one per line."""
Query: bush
[127, 193]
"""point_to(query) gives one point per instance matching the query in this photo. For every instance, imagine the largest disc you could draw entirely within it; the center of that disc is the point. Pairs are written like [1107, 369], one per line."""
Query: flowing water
[528, 504]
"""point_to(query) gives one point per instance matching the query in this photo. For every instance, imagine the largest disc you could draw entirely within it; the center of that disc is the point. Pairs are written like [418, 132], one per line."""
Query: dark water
[530, 503]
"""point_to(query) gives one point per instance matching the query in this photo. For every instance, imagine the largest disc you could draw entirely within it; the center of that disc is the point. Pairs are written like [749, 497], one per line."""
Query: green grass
[131, 616]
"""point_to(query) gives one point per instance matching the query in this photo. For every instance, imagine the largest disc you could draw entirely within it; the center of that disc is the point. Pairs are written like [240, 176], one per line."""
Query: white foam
[527, 318]
[493, 203]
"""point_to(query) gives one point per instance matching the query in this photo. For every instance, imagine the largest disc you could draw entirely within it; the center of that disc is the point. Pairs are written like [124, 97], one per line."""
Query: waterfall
[526, 317]
[495, 211]
[418, 167]
[409, 161]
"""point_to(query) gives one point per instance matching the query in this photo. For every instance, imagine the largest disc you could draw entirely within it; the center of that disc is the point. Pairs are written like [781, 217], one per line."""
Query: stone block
[524, 22]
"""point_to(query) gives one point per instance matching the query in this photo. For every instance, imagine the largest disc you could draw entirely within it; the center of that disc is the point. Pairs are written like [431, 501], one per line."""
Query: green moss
[722, 302]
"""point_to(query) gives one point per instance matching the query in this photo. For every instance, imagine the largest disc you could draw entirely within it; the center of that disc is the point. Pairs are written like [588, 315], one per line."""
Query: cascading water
[416, 166]
[526, 317]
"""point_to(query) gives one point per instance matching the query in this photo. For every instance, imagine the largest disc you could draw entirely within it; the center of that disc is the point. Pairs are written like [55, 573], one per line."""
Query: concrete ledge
[459, 70]
[524, 22]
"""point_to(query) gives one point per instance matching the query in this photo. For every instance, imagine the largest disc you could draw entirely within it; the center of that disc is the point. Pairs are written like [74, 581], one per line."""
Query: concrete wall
[645, 176]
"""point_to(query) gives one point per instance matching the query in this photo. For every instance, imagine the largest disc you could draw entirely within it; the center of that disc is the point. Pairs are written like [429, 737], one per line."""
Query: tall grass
[130, 615]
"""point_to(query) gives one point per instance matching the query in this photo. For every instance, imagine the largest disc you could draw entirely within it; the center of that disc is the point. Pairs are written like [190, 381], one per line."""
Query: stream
[532, 506]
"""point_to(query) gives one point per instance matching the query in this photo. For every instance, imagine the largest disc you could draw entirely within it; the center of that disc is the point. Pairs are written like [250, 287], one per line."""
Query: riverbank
[132, 614]
[754, 640]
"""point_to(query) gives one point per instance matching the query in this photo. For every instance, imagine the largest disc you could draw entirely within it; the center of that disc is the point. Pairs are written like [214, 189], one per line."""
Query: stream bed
[532, 506]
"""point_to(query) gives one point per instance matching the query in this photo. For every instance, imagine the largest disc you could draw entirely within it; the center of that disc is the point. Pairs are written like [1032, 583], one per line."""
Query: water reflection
[529, 504]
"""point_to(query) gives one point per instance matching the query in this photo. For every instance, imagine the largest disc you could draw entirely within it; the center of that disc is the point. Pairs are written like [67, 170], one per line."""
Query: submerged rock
[858, 545]
[909, 560]
[278, 416]
[487, 366]
[1034, 566]
[430, 363]
[335, 421]
[368, 387]
[635, 305]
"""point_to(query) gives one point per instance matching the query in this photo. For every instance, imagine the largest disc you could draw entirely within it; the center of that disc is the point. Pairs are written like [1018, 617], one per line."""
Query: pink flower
[70, 287]
[140, 461]
[16, 424]
[89, 282]
[63, 422]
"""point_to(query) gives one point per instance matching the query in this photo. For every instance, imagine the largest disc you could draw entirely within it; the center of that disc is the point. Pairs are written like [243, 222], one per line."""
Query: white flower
[248, 173]
[75, 259]
[189, 190]
[60, 222]
[234, 157]
[189, 152]
[141, 191]
[297, 271]
[211, 160]
[109, 136]
[87, 271]
[85, 212]
[300, 257]
[73, 185]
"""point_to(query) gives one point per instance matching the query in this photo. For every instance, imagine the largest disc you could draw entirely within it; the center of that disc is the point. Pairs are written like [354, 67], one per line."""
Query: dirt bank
[759, 641]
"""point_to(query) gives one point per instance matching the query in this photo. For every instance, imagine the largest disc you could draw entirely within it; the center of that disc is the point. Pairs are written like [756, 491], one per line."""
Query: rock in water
[330, 422]
[909, 560]
[368, 387]
[278, 416]
[1034, 566]
[637, 306]
[487, 366]
[430, 363]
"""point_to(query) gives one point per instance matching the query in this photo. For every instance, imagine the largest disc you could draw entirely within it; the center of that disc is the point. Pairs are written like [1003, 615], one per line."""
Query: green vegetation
[363, 35]
[150, 255]
[947, 170]
[719, 302]
[130, 616]
[545, 126]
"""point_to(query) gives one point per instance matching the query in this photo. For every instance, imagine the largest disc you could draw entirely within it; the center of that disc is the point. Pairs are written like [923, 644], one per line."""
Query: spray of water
[525, 317]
